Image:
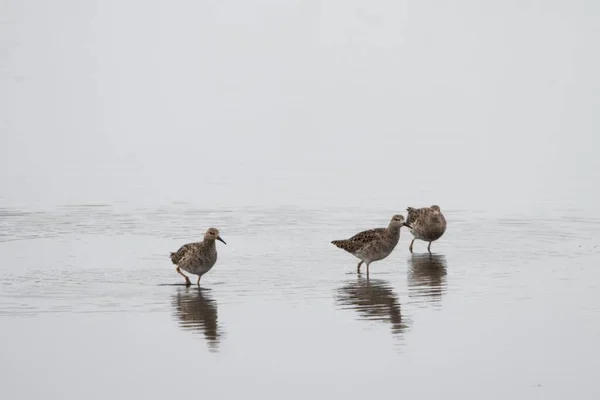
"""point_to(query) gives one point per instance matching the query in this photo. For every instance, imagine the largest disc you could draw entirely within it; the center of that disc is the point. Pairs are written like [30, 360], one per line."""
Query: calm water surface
[91, 306]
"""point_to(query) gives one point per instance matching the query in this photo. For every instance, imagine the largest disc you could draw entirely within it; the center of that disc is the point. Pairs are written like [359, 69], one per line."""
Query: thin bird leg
[429, 248]
[198, 283]
[368, 270]
[358, 267]
[410, 247]
[187, 280]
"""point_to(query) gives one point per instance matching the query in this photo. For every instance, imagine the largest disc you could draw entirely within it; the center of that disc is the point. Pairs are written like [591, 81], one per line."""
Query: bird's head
[213, 234]
[398, 222]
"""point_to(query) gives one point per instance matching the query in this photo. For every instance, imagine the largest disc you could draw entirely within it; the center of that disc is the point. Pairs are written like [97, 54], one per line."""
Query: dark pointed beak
[220, 240]
[408, 226]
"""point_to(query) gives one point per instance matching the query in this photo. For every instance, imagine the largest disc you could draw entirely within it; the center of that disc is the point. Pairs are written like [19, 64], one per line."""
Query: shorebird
[374, 244]
[428, 224]
[197, 258]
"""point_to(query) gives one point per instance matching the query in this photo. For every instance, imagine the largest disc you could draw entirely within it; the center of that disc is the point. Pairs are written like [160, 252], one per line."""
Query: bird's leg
[187, 280]
[198, 283]
[358, 266]
[429, 248]
[411, 244]
[368, 270]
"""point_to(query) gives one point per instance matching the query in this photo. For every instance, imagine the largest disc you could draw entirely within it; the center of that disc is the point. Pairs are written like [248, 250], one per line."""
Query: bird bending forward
[374, 244]
[197, 258]
[428, 224]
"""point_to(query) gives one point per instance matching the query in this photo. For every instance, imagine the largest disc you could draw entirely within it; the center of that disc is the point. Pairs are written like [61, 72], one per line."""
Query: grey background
[466, 104]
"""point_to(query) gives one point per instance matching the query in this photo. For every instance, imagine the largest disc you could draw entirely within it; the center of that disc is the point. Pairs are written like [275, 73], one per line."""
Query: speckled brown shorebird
[197, 258]
[428, 224]
[374, 244]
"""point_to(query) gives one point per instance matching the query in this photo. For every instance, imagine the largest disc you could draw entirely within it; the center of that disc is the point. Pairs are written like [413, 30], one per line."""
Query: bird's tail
[411, 215]
[173, 258]
[339, 243]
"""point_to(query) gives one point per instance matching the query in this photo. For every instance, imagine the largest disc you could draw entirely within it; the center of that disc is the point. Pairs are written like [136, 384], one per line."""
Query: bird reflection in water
[196, 311]
[373, 299]
[427, 277]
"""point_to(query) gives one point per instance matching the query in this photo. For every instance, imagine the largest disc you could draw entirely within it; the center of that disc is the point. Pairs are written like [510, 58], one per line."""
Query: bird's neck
[394, 231]
[209, 242]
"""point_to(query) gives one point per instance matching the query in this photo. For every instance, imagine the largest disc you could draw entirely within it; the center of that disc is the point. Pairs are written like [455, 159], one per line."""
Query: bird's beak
[220, 240]
[408, 226]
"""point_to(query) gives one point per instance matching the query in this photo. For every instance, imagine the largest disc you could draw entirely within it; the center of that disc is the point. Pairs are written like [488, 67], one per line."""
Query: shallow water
[91, 306]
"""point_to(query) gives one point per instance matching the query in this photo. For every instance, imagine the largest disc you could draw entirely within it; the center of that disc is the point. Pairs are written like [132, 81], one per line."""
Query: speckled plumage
[428, 224]
[373, 244]
[199, 257]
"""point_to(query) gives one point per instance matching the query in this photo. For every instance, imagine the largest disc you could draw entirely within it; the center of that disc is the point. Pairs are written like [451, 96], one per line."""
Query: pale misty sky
[309, 103]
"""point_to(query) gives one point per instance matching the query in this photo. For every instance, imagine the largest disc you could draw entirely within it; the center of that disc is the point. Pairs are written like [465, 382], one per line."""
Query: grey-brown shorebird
[199, 257]
[374, 244]
[428, 224]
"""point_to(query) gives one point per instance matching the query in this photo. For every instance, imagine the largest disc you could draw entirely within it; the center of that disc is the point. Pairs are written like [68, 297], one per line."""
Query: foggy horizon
[304, 103]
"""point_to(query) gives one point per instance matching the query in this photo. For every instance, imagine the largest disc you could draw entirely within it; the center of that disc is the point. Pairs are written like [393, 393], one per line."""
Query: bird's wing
[359, 240]
[179, 254]
[188, 259]
[367, 236]
[416, 215]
